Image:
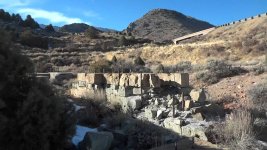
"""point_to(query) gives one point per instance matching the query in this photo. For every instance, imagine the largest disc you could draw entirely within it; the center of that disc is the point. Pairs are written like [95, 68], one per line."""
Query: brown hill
[163, 25]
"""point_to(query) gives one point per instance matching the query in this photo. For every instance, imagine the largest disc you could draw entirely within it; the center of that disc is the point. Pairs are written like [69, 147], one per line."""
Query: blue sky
[117, 14]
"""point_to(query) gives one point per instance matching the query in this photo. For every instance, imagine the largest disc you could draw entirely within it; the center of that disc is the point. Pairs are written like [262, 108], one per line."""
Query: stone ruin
[127, 88]
[164, 99]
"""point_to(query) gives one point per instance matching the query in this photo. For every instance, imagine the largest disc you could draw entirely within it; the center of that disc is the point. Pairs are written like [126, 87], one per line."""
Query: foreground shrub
[32, 115]
[237, 131]
[258, 97]
[216, 70]
[29, 39]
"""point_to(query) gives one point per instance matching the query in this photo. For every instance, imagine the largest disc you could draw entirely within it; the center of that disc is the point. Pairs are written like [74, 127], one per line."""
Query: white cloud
[51, 16]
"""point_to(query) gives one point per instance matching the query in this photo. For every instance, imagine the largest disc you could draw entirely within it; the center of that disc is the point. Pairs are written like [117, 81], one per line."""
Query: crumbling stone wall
[127, 88]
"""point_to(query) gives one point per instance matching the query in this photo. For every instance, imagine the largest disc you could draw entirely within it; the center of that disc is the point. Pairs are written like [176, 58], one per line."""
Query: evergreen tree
[29, 22]
[18, 19]
[2, 13]
[50, 28]
[114, 59]
[32, 115]
[139, 61]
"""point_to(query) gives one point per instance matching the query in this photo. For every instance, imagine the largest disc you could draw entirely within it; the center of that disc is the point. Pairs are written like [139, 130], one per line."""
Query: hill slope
[76, 28]
[161, 25]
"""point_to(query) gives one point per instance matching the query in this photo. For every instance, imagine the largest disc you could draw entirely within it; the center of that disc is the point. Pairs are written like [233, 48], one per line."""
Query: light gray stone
[198, 95]
[173, 124]
[96, 141]
[137, 91]
[150, 113]
[188, 104]
[194, 130]
[198, 116]
[159, 114]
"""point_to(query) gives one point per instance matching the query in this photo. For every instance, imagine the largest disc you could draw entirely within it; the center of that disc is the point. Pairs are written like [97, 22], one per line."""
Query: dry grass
[237, 131]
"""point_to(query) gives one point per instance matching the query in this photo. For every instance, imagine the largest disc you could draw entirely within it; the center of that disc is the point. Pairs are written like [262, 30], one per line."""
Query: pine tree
[50, 28]
[29, 22]
[32, 115]
[139, 61]
[114, 59]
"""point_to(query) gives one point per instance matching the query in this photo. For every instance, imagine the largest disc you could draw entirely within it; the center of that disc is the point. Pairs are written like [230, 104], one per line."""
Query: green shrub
[32, 115]
[29, 39]
[258, 97]
[258, 70]
[30, 22]
[216, 70]
[91, 33]
[123, 41]
[100, 66]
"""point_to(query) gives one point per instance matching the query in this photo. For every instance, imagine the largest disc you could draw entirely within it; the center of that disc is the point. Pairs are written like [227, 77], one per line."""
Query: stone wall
[127, 89]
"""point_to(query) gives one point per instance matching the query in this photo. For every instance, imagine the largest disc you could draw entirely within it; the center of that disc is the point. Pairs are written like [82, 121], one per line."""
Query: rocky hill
[161, 25]
[75, 28]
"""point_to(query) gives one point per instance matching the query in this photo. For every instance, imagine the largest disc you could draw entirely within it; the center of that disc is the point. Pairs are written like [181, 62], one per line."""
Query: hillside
[161, 25]
[76, 28]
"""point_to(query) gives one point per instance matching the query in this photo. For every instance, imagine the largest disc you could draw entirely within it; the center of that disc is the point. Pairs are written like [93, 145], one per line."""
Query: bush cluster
[29, 39]
[216, 70]
[32, 115]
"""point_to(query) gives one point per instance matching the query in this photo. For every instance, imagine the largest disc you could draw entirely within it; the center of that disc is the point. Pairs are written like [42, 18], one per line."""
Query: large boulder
[195, 130]
[188, 104]
[173, 124]
[96, 141]
[182, 79]
[133, 103]
[198, 95]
